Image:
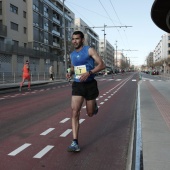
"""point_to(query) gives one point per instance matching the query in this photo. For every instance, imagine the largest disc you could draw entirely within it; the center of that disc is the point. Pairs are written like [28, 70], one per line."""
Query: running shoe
[96, 109]
[74, 147]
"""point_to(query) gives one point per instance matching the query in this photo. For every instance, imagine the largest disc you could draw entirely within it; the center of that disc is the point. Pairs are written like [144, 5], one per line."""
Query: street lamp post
[65, 49]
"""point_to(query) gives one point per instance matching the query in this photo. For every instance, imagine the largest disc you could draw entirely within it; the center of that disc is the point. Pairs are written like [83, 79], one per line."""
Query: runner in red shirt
[25, 75]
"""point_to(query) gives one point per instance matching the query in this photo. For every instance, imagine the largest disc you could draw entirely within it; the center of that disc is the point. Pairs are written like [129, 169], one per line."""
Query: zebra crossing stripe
[47, 131]
[66, 133]
[20, 149]
[43, 151]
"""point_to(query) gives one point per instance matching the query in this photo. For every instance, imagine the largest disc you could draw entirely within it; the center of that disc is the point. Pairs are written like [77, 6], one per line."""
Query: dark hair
[27, 61]
[78, 32]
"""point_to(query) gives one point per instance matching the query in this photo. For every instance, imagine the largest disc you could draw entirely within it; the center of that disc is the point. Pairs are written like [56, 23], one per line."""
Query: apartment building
[107, 52]
[162, 50]
[91, 37]
[36, 25]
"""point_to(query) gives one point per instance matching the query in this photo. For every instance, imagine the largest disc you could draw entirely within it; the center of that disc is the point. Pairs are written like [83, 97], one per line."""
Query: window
[24, 14]
[13, 9]
[168, 44]
[15, 43]
[0, 7]
[25, 30]
[14, 26]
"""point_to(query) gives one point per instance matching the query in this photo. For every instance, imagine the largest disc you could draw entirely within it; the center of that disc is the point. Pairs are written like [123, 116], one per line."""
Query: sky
[137, 40]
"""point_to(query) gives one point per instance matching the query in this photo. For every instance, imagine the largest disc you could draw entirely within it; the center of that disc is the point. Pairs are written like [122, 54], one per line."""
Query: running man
[25, 75]
[84, 86]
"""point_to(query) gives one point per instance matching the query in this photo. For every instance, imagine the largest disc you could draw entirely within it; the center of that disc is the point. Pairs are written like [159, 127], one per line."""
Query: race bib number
[79, 70]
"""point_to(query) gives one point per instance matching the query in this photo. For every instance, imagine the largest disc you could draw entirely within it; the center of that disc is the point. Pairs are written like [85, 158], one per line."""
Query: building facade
[91, 37]
[34, 30]
[107, 52]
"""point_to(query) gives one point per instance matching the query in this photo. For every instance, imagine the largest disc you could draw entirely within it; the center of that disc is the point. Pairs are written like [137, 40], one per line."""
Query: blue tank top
[82, 59]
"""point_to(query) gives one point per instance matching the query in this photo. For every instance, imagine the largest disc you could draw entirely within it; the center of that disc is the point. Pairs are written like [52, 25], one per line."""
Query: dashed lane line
[66, 133]
[47, 131]
[43, 151]
[81, 120]
[64, 120]
[20, 149]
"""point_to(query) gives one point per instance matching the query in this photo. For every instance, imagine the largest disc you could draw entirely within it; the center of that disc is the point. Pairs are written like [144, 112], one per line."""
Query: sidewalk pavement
[155, 124]
[6, 86]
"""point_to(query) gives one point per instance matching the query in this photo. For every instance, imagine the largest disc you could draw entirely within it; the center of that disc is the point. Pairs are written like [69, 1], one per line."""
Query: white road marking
[43, 151]
[81, 120]
[2, 98]
[47, 131]
[64, 120]
[105, 99]
[109, 96]
[66, 133]
[84, 107]
[118, 79]
[101, 96]
[20, 149]
[133, 79]
[102, 103]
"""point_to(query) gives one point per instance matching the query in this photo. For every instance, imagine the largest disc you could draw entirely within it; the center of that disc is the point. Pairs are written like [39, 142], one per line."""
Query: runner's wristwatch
[90, 72]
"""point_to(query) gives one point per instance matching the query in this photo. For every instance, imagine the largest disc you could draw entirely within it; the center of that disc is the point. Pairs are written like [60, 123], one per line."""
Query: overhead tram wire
[119, 20]
[87, 9]
[101, 27]
[112, 22]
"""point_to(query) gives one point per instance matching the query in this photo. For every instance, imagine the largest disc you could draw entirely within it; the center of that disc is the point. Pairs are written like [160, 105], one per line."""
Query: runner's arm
[100, 64]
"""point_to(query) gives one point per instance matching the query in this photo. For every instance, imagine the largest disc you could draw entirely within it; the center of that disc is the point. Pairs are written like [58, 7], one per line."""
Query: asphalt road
[35, 127]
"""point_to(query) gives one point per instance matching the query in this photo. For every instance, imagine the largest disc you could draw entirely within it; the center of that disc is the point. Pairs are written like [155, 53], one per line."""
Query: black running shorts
[88, 90]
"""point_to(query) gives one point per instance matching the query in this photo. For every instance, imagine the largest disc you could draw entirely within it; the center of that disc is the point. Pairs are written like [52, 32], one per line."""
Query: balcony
[3, 30]
[55, 32]
[55, 20]
[56, 44]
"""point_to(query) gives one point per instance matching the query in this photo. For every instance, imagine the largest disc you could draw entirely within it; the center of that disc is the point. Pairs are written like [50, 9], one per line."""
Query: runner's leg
[76, 105]
[91, 107]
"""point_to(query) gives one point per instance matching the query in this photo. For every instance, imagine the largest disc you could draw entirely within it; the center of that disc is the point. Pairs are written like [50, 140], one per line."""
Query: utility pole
[116, 55]
[104, 55]
[65, 48]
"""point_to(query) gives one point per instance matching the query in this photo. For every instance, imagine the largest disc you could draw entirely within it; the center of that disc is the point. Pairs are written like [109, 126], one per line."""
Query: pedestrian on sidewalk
[51, 72]
[68, 71]
[25, 75]
[84, 86]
